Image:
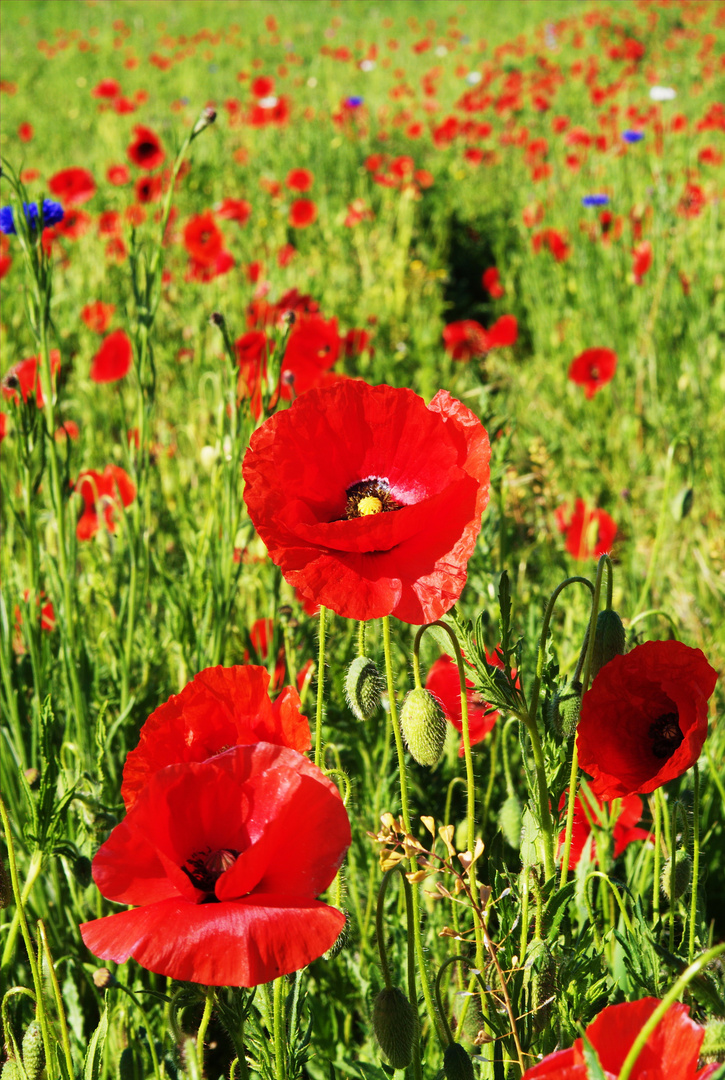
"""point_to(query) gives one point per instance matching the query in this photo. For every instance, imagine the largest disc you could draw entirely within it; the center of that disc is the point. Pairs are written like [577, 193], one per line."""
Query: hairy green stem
[280, 1055]
[320, 690]
[695, 859]
[209, 994]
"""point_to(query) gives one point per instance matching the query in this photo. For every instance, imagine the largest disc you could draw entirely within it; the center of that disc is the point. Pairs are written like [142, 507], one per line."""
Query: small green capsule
[683, 874]
[363, 687]
[394, 1024]
[424, 726]
[457, 1064]
[608, 639]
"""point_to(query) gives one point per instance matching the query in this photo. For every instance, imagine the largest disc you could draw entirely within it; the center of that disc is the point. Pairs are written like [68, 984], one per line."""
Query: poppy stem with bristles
[320, 690]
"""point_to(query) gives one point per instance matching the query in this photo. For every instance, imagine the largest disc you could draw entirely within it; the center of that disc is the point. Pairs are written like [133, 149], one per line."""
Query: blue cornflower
[53, 212]
[632, 136]
[354, 102]
[595, 200]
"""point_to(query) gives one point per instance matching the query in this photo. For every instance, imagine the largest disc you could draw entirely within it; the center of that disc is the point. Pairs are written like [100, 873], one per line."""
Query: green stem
[669, 999]
[36, 865]
[657, 814]
[402, 774]
[410, 931]
[695, 859]
[280, 1064]
[661, 524]
[65, 1041]
[203, 1026]
[320, 690]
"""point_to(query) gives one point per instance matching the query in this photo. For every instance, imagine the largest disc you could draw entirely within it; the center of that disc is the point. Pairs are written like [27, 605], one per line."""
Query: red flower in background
[118, 175]
[593, 369]
[555, 241]
[303, 212]
[113, 359]
[106, 88]
[203, 239]
[588, 809]
[644, 719]
[589, 532]
[73, 186]
[105, 491]
[443, 683]
[23, 377]
[491, 283]
[220, 708]
[238, 210]
[312, 349]
[25, 132]
[75, 224]
[671, 1051]
[225, 859]
[464, 339]
[262, 86]
[252, 350]
[147, 189]
[641, 260]
[299, 180]
[97, 316]
[146, 150]
[504, 332]
[369, 501]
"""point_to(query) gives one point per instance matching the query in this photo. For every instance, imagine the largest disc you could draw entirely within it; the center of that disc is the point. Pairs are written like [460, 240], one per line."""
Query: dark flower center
[368, 497]
[665, 735]
[204, 869]
[146, 149]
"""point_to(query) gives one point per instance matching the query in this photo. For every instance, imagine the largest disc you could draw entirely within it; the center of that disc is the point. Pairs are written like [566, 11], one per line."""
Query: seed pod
[509, 821]
[565, 707]
[424, 726]
[683, 873]
[394, 1024]
[82, 871]
[457, 1065]
[33, 1053]
[608, 639]
[363, 686]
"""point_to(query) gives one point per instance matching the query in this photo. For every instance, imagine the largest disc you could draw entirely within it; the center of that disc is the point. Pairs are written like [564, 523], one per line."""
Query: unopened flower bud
[674, 888]
[457, 1064]
[340, 941]
[394, 1024]
[32, 776]
[10, 1071]
[363, 686]
[208, 116]
[33, 1053]
[216, 319]
[424, 726]
[608, 639]
[103, 978]
[564, 708]
[509, 821]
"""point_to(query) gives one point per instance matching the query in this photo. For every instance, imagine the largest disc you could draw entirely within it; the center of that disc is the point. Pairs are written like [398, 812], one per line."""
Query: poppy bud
[102, 978]
[10, 1071]
[682, 503]
[82, 871]
[543, 987]
[457, 1065]
[127, 1064]
[424, 726]
[394, 1024]
[33, 1053]
[673, 890]
[363, 686]
[608, 639]
[341, 940]
[509, 820]
[564, 708]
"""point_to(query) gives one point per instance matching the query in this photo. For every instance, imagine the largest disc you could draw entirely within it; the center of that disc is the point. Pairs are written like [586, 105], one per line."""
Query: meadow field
[362, 602]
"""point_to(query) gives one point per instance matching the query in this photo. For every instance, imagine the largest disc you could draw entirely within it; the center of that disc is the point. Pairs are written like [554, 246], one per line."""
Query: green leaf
[591, 1059]
[94, 1053]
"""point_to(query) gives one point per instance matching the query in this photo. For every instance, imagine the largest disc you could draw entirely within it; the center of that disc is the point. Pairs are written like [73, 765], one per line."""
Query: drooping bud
[394, 1024]
[457, 1064]
[509, 820]
[341, 940]
[424, 726]
[608, 639]
[127, 1064]
[33, 1053]
[206, 117]
[363, 687]
[543, 987]
[674, 889]
[564, 708]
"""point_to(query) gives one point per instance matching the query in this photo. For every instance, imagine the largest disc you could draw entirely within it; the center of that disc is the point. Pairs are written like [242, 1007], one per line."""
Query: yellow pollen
[369, 505]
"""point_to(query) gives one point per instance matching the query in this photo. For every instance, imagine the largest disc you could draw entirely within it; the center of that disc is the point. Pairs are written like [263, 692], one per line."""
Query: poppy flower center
[204, 868]
[146, 149]
[665, 735]
[368, 497]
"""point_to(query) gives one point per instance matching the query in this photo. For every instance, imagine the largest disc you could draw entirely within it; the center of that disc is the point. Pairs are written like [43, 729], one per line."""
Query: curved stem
[201, 1035]
[615, 893]
[65, 1041]
[695, 859]
[320, 690]
[669, 999]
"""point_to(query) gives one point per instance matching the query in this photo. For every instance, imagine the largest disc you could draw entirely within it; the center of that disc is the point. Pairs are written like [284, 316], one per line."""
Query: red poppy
[693, 201]
[369, 501]
[109, 223]
[299, 180]
[504, 332]
[107, 490]
[113, 359]
[587, 810]
[97, 316]
[303, 212]
[589, 532]
[23, 376]
[202, 238]
[555, 241]
[491, 283]
[464, 339]
[252, 349]
[106, 88]
[671, 1051]
[593, 369]
[68, 430]
[443, 683]
[206, 271]
[25, 132]
[313, 348]
[147, 189]
[220, 708]
[146, 150]
[206, 914]
[262, 86]
[73, 186]
[75, 224]
[237, 210]
[641, 260]
[644, 719]
[118, 175]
